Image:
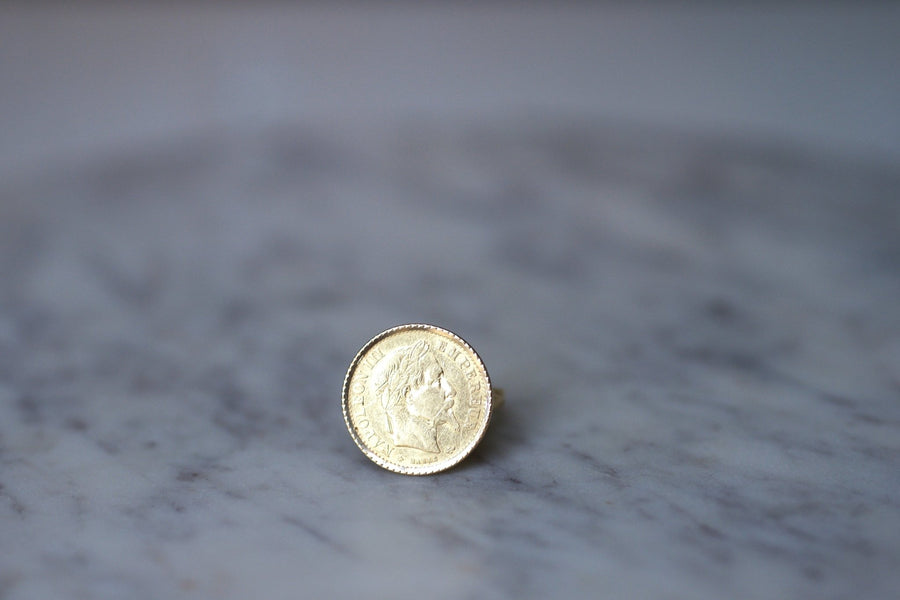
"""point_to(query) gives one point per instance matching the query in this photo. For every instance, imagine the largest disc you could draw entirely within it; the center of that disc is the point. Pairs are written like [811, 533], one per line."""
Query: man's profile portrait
[416, 397]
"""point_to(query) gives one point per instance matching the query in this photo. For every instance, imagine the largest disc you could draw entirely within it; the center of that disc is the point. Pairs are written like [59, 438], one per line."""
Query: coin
[417, 399]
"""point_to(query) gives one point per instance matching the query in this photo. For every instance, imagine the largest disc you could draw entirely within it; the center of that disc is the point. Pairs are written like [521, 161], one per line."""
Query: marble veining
[699, 341]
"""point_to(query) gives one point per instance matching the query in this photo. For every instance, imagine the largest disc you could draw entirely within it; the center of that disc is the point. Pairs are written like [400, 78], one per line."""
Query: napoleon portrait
[417, 398]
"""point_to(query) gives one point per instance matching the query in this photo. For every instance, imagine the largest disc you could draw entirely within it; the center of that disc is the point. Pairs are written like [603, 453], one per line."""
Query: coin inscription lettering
[417, 399]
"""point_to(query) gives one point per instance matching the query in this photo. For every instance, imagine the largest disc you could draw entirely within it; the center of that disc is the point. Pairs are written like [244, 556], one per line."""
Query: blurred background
[84, 77]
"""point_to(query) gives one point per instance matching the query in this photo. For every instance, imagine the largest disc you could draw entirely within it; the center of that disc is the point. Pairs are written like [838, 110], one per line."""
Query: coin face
[417, 399]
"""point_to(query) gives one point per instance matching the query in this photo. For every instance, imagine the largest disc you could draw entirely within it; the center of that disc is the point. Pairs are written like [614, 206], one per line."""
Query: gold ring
[417, 399]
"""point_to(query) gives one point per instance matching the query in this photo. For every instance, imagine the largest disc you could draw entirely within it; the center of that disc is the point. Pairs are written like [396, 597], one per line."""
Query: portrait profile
[416, 396]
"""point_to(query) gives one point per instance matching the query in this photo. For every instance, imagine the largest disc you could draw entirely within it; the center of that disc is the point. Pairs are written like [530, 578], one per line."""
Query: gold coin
[417, 399]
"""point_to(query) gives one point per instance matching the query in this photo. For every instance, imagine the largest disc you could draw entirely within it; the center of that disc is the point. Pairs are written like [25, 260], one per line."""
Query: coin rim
[424, 469]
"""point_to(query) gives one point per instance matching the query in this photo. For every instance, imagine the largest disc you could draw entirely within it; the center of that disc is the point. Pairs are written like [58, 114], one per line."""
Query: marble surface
[699, 340]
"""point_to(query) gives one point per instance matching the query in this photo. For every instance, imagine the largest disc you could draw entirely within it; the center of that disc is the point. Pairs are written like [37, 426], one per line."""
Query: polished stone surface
[699, 340]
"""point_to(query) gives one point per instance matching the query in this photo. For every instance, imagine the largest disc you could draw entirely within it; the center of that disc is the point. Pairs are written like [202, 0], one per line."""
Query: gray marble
[699, 341]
